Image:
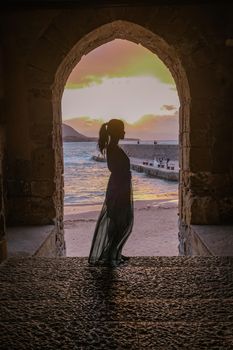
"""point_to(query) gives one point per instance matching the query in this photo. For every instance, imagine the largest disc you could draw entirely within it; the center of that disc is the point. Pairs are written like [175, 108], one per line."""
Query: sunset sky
[122, 80]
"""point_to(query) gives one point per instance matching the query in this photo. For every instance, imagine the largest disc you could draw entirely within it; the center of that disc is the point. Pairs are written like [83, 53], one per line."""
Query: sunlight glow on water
[86, 180]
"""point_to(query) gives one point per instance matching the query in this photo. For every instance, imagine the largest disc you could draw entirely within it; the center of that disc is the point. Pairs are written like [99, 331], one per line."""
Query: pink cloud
[105, 59]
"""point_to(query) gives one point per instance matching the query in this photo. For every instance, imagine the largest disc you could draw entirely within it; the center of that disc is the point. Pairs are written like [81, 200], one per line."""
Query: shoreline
[80, 208]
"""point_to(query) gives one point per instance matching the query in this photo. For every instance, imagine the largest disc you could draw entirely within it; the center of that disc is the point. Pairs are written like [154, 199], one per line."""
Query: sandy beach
[155, 231]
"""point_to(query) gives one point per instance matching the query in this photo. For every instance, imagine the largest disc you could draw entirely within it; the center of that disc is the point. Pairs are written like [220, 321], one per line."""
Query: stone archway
[116, 30]
[56, 47]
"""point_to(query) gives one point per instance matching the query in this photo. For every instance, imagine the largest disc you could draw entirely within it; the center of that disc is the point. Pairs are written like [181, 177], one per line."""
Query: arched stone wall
[103, 34]
[189, 43]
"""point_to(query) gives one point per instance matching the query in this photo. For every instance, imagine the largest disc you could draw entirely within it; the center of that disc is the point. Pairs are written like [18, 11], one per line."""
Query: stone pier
[148, 151]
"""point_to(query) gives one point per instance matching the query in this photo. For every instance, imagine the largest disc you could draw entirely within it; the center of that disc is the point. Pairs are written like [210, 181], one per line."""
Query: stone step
[144, 261]
[147, 303]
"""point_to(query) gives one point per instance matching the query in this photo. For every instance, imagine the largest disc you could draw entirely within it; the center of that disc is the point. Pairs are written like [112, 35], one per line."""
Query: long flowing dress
[115, 221]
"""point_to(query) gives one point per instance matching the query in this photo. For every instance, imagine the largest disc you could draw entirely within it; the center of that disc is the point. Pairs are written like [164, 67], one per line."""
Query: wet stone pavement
[147, 303]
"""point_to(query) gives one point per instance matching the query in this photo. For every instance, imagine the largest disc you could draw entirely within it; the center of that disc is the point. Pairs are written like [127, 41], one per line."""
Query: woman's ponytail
[103, 138]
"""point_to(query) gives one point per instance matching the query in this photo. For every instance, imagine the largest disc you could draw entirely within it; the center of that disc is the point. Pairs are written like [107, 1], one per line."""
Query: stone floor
[148, 303]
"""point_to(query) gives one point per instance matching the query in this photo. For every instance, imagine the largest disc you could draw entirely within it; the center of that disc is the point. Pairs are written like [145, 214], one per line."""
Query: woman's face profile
[122, 132]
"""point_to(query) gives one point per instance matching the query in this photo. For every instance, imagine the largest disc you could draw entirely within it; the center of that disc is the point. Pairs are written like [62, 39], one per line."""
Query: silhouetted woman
[115, 222]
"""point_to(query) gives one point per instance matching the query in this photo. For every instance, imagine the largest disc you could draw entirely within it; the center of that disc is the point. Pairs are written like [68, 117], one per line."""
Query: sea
[85, 180]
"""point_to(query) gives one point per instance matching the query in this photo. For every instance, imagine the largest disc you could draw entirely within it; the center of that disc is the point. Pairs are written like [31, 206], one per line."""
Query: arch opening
[45, 85]
[139, 35]
[110, 80]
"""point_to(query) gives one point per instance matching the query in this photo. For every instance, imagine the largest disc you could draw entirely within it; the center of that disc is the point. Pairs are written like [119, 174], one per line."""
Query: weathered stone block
[43, 164]
[226, 210]
[200, 159]
[41, 134]
[18, 210]
[31, 211]
[185, 137]
[199, 138]
[3, 250]
[208, 87]
[19, 169]
[184, 117]
[207, 183]
[43, 211]
[206, 240]
[38, 78]
[2, 224]
[44, 63]
[203, 210]
[185, 158]
[200, 113]
[1, 204]
[2, 112]
[190, 244]
[2, 141]
[42, 188]
[221, 157]
[40, 106]
[18, 188]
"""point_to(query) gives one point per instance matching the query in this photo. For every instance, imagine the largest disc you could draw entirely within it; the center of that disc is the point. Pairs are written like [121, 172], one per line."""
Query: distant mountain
[71, 135]
[148, 127]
